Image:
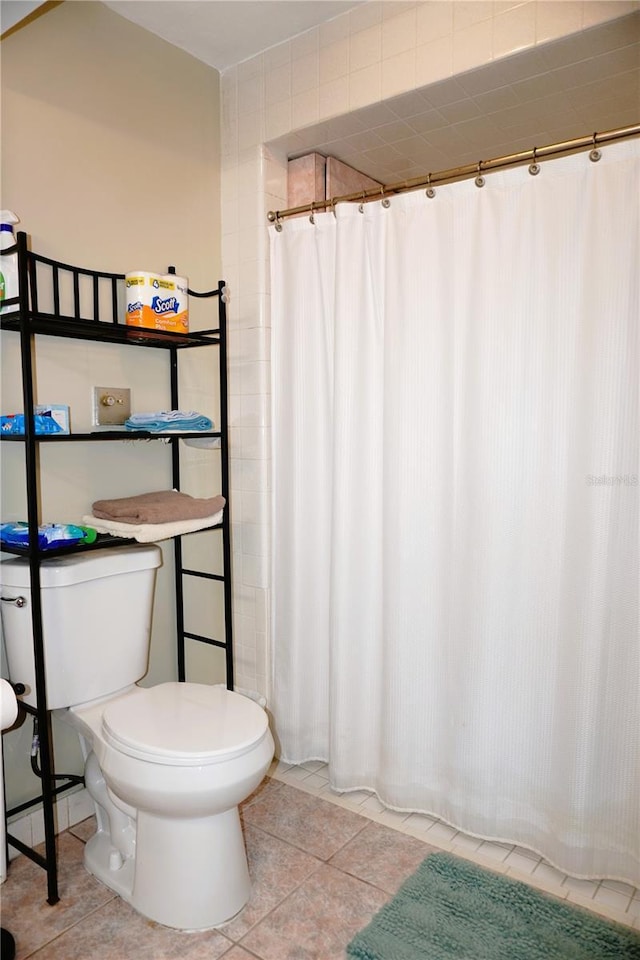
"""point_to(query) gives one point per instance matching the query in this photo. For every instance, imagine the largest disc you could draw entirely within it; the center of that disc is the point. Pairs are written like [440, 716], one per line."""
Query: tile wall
[373, 52]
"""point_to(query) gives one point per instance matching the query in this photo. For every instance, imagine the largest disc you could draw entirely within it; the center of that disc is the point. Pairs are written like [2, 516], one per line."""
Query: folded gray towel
[162, 506]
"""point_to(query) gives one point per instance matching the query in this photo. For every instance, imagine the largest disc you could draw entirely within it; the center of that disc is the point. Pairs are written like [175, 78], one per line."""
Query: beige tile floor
[321, 865]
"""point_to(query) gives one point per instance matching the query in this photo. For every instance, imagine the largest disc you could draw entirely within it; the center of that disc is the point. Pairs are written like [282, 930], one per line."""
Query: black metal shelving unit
[95, 298]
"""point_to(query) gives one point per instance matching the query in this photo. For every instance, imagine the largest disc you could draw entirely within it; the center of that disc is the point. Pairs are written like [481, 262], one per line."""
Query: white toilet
[167, 765]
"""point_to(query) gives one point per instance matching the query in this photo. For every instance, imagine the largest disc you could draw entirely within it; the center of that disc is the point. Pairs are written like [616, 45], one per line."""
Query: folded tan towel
[162, 506]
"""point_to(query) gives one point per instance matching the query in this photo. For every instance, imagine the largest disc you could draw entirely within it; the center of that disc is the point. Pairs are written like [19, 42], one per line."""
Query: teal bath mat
[451, 909]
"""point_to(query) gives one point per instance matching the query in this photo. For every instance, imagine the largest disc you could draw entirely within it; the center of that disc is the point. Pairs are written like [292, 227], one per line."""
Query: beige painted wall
[111, 159]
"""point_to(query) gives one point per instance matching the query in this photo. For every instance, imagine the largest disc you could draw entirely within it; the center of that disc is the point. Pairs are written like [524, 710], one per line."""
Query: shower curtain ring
[480, 181]
[534, 168]
[278, 223]
[332, 202]
[386, 203]
[361, 204]
[430, 192]
[312, 219]
[595, 153]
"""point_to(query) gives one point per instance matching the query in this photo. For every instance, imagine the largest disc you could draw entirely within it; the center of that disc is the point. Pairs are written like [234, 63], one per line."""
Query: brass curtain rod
[464, 172]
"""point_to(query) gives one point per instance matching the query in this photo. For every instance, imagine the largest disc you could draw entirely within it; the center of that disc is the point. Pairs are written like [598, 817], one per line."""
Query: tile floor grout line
[295, 846]
[249, 953]
[557, 889]
[579, 896]
[319, 863]
[72, 926]
[277, 906]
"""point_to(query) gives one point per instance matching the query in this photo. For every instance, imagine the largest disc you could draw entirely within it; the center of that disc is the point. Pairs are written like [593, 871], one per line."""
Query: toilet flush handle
[17, 601]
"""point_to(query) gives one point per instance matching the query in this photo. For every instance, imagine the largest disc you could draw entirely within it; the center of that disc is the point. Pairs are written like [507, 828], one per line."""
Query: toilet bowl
[165, 765]
[168, 766]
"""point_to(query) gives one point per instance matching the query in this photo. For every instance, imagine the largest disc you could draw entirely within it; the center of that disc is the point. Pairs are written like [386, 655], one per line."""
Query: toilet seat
[184, 724]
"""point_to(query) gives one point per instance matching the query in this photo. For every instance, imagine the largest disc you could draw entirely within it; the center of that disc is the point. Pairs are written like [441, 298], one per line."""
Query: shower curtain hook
[595, 154]
[278, 223]
[534, 168]
[332, 201]
[361, 204]
[312, 219]
[386, 203]
[480, 181]
[430, 192]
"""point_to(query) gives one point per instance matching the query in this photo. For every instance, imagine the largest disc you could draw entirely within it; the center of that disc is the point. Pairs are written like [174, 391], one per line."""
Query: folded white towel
[152, 532]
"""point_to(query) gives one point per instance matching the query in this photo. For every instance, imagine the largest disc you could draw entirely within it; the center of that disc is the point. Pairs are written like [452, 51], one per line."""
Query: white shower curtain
[455, 506]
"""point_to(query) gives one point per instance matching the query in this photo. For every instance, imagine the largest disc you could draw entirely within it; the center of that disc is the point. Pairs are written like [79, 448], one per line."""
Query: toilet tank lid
[79, 567]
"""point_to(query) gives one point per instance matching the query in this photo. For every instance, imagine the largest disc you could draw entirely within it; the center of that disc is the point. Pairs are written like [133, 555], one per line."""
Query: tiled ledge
[608, 898]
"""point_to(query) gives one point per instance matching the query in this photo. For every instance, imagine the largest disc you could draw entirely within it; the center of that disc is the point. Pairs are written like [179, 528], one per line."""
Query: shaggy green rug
[451, 909]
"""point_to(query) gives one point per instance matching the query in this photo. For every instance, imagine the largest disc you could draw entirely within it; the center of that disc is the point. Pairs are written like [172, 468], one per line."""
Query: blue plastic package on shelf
[50, 535]
[14, 424]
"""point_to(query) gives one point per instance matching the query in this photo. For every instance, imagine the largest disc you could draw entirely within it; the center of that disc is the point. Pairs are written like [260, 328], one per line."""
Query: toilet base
[187, 874]
[98, 860]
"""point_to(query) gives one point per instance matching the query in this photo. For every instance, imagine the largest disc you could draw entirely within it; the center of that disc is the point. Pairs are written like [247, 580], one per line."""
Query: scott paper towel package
[158, 302]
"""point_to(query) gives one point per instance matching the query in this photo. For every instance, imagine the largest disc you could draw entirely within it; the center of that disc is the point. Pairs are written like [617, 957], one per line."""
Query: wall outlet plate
[111, 406]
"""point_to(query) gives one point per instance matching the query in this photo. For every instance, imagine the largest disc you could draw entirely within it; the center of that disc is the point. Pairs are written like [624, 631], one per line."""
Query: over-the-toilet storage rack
[94, 313]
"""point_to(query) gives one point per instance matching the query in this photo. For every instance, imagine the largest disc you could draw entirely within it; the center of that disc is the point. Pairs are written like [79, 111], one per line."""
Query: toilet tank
[96, 622]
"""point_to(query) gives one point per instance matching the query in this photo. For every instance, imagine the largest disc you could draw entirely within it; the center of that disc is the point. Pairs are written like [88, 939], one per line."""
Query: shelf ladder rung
[209, 640]
[35, 801]
[205, 576]
[27, 851]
